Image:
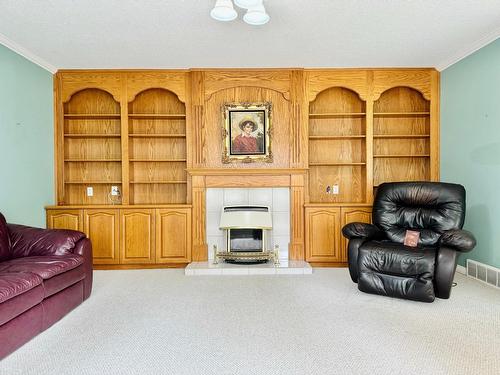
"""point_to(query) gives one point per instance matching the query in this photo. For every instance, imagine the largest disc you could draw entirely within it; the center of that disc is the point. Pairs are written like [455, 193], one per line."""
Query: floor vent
[484, 273]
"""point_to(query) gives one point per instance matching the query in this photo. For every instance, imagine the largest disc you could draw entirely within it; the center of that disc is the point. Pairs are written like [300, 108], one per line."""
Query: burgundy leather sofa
[44, 274]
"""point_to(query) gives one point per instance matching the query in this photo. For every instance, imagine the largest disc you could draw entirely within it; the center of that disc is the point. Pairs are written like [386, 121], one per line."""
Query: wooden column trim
[124, 141]
[197, 127]
[296, 248]
[58, 140]
[369, 138]
[435, 115]
[200, 248]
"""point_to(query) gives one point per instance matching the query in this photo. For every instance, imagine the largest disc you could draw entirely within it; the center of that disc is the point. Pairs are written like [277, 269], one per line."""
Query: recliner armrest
[362, 230]
[28, 241]
[458, 239]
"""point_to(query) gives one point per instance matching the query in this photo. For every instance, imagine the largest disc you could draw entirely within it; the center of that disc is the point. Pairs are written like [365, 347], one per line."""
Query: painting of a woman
[246, 132]
[247, 142]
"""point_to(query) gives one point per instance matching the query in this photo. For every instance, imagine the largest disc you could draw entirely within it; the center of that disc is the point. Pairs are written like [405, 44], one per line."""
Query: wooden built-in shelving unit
[157, 136]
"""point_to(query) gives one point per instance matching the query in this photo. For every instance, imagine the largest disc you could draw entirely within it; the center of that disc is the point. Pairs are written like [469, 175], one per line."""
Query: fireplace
[246, 230]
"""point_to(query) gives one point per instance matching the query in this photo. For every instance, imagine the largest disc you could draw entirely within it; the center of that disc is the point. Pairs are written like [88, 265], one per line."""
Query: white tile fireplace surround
[278, 200]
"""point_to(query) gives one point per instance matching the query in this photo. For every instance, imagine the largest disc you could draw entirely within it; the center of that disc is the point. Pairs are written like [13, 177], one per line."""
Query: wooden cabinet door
[322, 235]
[101, 226]
[173, 235]
[351, 215]
[137, 236]
[65, 219]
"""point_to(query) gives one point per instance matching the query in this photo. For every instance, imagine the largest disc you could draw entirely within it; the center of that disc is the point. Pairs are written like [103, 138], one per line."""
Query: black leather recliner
[379, 261]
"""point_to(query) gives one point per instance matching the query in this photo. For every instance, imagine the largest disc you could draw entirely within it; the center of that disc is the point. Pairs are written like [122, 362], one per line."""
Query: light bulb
[223, 11]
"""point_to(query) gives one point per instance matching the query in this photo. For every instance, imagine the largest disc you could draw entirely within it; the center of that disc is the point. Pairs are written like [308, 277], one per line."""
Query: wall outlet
[115, 190]
[335, 189]
[90, 191]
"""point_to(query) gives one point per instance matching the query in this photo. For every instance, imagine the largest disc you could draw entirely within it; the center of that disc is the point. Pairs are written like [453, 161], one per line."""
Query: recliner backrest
[428, 207]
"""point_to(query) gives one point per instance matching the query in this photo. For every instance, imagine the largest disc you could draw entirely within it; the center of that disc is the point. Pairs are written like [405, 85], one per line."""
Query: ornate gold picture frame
[246, 133]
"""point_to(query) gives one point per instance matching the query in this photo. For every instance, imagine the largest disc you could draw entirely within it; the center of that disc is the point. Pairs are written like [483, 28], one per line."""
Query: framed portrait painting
[247, 132]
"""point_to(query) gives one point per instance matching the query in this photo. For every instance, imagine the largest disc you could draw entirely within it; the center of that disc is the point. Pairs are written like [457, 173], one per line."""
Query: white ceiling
[65, 34]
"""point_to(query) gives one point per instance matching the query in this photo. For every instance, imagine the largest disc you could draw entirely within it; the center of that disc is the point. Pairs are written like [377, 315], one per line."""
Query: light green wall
[26, 139]
[470, 144]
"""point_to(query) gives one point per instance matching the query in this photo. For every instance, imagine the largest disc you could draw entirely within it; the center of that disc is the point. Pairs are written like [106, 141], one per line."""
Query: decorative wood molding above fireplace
[156, 136]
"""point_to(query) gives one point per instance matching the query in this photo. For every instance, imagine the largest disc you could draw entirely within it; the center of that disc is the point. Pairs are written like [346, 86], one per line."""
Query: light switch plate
[335, 189]
[114, 190]
[90, 191]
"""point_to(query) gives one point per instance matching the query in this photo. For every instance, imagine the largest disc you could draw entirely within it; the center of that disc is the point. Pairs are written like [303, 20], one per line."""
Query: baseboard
[461, 270]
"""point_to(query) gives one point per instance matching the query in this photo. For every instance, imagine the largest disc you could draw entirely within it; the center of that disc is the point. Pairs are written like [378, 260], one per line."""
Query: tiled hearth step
[286, 267]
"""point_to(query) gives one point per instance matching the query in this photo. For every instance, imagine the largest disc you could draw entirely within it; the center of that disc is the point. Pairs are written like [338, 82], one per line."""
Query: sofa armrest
[28, 241]
[458, 239]
[362, 230]
[84, 248]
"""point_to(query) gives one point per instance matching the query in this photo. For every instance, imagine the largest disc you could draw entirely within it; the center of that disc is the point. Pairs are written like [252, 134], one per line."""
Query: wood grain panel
[351, 215]
[400, 169]
[322, 235]
[74, 81]
[173, 81]
[158, 193]
[92, 171]
[247, 181]
[337, 126]
[297, 236]
[419, 79]
[337, 150]
[280, 141]
[65, 219]
[76, 194]
[101, 226]
[276, 80]
[157, 148]
[200, 249]
[298, 122]
[350, 179]
[137, 236]
[435, 133]
[173, 240]
[92, 148]
[401, 146]
[322, 79]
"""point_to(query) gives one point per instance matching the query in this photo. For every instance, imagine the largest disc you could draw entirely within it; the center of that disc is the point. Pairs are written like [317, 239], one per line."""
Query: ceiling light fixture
[247, 3]
[256, 13]
[223, 11]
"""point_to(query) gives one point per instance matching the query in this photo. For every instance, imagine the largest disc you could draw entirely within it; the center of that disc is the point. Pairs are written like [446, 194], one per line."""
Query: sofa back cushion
[28, 241]
[4, 239]
[427, 207]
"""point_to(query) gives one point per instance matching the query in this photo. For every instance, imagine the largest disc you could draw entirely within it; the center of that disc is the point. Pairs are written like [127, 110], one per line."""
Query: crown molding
[482, 42]
[10, 44]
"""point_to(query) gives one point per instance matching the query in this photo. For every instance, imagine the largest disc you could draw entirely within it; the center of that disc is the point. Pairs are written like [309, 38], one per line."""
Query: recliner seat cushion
[4, 239]
[44, 266]
[396, 270]
[426, 207]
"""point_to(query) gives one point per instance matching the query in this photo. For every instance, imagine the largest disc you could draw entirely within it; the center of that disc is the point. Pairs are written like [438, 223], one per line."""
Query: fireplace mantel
[249, 178]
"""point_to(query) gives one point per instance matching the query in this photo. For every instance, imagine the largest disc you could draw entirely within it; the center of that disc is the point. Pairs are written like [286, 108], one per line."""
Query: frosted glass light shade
[256, 16]
[246, 4]
[223, 11]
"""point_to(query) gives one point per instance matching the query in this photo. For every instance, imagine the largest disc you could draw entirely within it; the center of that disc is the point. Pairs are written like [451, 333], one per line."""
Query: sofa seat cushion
[43, 266]
[19, 292]
[392, 269]
[13, 284]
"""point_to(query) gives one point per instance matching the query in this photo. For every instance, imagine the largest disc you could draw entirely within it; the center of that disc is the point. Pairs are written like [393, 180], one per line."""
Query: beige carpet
[162, 322]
